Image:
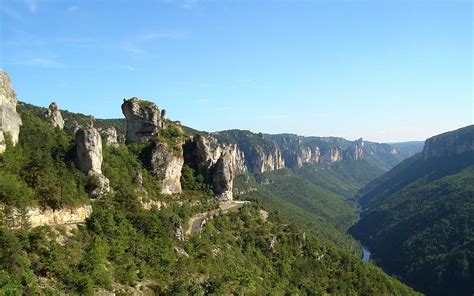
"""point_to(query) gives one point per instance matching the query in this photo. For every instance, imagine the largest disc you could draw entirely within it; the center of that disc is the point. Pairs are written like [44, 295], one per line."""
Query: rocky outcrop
[263, 160]
[355, 151]
[143, 120]
[332, 155]
[10, 120]
[110, 136]
[89, 150]
[450, 143]
[36, 216]
[89, 157]
[219, 163]
[53, 116]
[3, 144]
[167, 165]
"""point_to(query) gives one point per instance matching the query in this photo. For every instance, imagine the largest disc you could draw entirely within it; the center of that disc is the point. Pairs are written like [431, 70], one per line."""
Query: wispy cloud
[190, 4]
[73, 8]
[320, 115]
[32, 5]
[40, 62]
[137, 46]
[271, 116]
[150, 36]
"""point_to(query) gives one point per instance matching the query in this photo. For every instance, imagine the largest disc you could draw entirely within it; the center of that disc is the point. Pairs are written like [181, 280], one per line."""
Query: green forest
[124, 245]
[418, 222]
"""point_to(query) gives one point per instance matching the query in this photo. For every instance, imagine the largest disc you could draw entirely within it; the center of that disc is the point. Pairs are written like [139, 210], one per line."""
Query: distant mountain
[418, 219]
[408, 149]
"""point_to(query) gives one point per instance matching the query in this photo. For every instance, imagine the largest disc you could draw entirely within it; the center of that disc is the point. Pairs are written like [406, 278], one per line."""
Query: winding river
[366, 252]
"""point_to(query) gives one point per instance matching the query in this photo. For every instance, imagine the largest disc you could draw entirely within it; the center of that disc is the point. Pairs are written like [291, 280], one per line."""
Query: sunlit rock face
[10, 120]
[450, 143]
[262, 160]
[89, 157]
[110, 136]
[89, 150]
[53, 116]
[143, 120]
[355, 151]
[218, 162]
[167, 166]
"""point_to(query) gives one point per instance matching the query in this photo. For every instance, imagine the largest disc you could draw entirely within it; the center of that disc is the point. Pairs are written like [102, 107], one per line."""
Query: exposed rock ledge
[37, 216]
[10, 120]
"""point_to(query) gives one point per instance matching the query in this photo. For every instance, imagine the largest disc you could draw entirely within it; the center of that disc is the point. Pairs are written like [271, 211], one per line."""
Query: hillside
[84, 214]
[315, 209]
[418, 219]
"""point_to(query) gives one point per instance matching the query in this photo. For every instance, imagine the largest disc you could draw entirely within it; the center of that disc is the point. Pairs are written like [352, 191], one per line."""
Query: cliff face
[143, 120]
[167, 166]
[263, 160]
[10, 121]
[89, 157]
[451, 143]
[36, 216]
[261, 154]
[53, 116]
[219, 163]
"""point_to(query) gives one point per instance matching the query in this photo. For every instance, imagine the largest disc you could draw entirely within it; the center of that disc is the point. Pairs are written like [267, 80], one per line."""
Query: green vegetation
[40, 169]
[419, 223]
[344, 178]
[315, 209]
[173, 136]
[124, 244]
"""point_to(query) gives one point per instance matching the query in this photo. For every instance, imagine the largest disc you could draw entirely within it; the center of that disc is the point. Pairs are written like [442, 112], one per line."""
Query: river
[366, 253]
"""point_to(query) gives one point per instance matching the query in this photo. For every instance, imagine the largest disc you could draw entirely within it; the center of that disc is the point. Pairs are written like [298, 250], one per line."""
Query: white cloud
[73, 8]
[40, 62]
[271, 116]
[190, 4]
[32, 5]
[157, 35]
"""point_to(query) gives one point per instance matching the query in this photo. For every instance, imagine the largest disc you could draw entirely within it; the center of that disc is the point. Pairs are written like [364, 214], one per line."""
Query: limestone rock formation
[167, 166]
[355, 151]
[219, 163]
[262, 160]
[89, 150]
[53, 116]
[110, 136]
[143, 120]
[89, 157]
[10, 120]
[36, 216]
[450, 143]
[332, 155]
[3, 144]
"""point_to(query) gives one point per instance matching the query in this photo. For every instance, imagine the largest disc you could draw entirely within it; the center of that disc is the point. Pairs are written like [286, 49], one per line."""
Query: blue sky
[381, 70]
